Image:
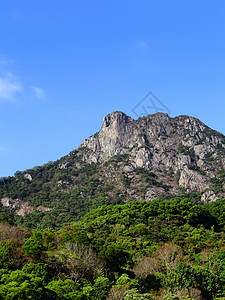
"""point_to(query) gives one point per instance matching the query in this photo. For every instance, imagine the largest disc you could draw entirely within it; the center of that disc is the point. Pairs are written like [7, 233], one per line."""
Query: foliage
[140, 250]
[217, 183]
[4, 256]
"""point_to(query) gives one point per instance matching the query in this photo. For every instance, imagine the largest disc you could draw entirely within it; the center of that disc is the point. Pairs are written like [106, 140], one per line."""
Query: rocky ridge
[181, 145]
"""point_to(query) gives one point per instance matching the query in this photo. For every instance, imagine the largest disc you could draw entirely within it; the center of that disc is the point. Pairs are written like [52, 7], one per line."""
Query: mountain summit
[182, 145]
[152, 157]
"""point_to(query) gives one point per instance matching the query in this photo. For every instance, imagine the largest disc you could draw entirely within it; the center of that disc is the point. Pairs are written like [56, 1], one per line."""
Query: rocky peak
[115, 120]
[182, 145]
[120, 131]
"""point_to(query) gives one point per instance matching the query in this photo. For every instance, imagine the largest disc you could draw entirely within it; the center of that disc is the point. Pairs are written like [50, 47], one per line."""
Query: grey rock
[208, 197]
[190, 179]
[28, 176]
[158, 142]
[153, 193]
[21, 208]
[65, 165]
[43, 208]
[128, 169]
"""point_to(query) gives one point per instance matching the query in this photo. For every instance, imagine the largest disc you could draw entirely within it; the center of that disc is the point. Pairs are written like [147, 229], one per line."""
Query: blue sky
[64, 65]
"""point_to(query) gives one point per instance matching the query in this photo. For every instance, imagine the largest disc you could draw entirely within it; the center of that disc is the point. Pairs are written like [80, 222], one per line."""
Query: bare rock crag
[181, 145]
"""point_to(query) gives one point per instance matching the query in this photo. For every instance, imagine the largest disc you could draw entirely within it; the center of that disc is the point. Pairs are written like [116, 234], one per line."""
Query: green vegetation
[117, 159]
[217, 183]
[70, 192]
[126, 181]
[150, 178]
[140, 250]
[183, 149]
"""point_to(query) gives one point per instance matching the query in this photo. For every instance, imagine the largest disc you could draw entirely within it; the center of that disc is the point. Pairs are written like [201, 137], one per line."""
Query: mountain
[152, 157]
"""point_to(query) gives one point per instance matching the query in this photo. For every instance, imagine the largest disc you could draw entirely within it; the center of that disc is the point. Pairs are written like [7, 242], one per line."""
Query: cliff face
[181, 145]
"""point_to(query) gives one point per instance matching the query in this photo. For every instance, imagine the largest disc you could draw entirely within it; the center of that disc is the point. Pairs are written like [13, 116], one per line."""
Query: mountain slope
[152, 157]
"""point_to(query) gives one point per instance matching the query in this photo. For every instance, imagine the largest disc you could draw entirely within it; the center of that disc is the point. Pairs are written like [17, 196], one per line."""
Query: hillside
[135, 213]
[145, 159]
[156, 250]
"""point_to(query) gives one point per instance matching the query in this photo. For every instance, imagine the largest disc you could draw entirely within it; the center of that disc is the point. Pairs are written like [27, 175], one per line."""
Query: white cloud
[39, 92]
[142, 45]
[4, 149]
[10, 86]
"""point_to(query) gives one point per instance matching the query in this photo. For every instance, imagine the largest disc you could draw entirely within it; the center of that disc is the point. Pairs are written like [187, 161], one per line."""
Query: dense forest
[139, 250]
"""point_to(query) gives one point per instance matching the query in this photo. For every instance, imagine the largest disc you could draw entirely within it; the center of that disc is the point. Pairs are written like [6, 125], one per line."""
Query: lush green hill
[69, 194]
[157, 250]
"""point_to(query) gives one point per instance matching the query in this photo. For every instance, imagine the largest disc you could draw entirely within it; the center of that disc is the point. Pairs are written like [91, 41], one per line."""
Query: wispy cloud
[142, 45]
[10, 87]
[13, 89]
[39, 93]
[4, 149]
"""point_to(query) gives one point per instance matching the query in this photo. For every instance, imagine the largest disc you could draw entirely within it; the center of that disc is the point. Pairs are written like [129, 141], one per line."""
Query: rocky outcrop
[208, 197]
[28, 176]
[190, 179]
[66, 165]
[154, 193]
[20, 207]
[157, 142]
[43, 208]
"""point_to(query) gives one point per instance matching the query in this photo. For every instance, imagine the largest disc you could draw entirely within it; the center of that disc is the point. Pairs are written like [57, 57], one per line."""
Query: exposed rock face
[208, 196]
[8, 202]
[28, 176]
[152, 194]
[65, 166]
[181, 145]
[43, 208]
[192, 180]
[20, 207]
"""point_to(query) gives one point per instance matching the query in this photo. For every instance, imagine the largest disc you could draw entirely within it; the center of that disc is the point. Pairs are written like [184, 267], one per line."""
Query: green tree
[133, 294]
[19, 285]
[5, 258]
[33, 246]
[115, 255]
[66, 289]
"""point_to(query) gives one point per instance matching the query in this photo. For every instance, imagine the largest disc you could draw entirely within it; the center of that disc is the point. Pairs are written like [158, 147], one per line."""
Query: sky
[64, 65]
